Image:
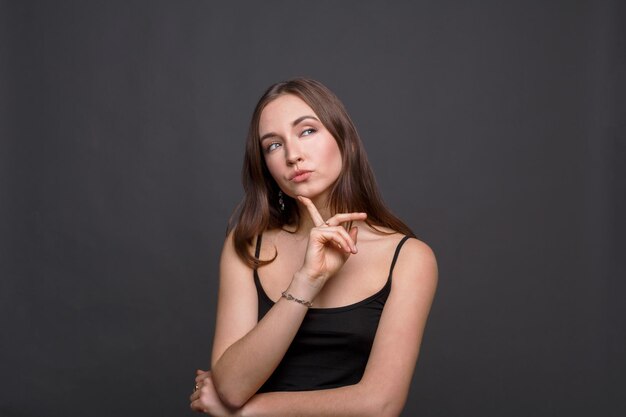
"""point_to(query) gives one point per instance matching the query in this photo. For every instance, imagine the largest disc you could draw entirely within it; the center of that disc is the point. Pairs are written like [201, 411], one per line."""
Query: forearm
[249, 362]
[349, 401]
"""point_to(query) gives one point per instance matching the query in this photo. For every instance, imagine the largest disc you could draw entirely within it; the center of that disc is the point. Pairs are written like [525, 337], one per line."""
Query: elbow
[230, 396]
[231, 400]
[388, 406]
[390, 409]
[381, 400]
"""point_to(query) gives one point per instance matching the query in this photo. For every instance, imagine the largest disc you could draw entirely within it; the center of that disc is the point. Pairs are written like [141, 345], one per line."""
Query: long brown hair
[354, 191]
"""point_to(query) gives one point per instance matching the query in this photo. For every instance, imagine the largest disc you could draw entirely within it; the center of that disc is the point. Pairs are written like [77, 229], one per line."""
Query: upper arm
[399, 335]
[237, 303]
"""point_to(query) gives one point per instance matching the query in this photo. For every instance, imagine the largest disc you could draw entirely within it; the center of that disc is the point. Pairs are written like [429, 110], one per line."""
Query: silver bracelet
[290, 297]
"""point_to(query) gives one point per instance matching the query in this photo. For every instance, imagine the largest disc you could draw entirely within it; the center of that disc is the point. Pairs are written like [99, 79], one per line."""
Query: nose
[293, 153]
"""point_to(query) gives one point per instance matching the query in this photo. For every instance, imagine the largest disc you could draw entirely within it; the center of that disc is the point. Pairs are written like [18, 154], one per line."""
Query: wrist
[304, 286]
[312, 278]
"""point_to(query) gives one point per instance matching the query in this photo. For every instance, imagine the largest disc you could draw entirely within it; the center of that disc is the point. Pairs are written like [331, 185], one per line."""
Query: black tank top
[332, 346]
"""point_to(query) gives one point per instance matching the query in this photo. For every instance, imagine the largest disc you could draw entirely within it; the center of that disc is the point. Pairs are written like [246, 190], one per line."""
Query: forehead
[283, 111]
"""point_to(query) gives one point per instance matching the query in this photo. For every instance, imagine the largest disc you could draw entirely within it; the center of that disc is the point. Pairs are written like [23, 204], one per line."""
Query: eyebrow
[294, 123]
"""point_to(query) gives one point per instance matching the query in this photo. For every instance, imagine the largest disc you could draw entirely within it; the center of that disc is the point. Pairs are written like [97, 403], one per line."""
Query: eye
[308, 131]
[272, 146]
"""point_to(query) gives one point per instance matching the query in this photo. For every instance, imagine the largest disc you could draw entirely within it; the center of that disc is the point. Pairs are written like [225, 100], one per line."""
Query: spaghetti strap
[257, 252]
[395, 255]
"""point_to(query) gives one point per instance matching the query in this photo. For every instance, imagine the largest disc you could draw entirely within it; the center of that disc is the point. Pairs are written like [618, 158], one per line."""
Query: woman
[324, 294]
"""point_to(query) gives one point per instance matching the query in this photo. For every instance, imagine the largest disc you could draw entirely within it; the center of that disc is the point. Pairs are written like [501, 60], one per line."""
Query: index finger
[315, 215]
[345, 217]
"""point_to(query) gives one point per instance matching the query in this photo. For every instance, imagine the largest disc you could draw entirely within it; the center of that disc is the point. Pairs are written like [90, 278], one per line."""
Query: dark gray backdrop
[495, 129]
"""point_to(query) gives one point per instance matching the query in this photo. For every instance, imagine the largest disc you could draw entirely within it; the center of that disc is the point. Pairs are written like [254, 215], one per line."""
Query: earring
[281, 203]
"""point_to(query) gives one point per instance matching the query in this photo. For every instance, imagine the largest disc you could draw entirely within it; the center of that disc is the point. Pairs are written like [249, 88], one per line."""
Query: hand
[330, 245]
[205, 399]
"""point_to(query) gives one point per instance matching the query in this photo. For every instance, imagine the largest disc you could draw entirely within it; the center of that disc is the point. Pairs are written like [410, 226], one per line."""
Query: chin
[308, 191]
[310, 194]
[318, 198]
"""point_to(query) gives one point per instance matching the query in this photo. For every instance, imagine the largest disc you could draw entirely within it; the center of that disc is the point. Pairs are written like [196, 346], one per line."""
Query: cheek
[272, 167]
[332, 155]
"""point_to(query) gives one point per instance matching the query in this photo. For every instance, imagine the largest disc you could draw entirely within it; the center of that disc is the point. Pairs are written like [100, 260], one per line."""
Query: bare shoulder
[417, 251]
[228, 249]
[230, 261]
[416, 265]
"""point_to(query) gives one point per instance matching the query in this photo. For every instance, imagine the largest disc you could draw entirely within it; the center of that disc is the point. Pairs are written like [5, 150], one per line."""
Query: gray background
[495, 129]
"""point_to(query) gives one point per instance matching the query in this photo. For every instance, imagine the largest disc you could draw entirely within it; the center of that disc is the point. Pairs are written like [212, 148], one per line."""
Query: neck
[306, 222]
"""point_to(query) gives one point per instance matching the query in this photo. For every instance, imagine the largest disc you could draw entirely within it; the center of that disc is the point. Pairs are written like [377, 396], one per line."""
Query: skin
[322, 262]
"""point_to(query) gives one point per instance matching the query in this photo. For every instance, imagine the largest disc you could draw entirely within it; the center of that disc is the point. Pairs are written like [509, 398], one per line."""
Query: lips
[300, 176]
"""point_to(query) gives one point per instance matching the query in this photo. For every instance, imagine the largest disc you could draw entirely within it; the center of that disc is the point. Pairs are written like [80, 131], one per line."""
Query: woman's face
[302, 156]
